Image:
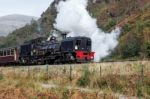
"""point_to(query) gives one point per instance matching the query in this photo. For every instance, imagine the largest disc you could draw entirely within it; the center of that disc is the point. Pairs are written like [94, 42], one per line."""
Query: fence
[119, 68]
[65, 74]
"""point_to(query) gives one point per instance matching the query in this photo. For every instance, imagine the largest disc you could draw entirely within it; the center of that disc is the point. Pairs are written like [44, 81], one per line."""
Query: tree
[129, 45]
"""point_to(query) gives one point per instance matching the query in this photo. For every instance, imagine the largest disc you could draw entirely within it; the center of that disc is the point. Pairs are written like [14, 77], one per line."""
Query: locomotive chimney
[64, 35]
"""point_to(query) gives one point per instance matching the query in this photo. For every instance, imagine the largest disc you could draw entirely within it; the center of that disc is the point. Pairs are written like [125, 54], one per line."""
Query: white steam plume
[74, 18]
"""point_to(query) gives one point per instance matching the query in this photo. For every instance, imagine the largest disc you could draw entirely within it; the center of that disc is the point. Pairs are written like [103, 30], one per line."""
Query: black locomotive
[40, 51]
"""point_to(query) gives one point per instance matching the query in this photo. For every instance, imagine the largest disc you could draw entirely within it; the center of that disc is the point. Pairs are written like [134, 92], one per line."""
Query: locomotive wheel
[40, 63]
[56, 62]
[50, 61]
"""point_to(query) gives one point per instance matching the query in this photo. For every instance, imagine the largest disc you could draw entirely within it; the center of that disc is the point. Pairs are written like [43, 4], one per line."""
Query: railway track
[83, 64]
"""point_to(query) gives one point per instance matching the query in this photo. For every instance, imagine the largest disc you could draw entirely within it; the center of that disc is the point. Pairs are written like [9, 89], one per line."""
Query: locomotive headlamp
[76, 47]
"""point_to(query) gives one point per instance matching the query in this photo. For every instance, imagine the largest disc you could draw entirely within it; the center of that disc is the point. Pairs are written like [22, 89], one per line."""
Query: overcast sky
[25, 7]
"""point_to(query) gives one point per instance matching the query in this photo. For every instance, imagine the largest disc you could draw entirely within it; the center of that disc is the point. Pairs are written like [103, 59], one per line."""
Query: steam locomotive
[40, 51]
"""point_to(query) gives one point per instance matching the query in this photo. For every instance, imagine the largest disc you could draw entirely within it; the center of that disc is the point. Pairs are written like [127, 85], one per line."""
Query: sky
[25, 7]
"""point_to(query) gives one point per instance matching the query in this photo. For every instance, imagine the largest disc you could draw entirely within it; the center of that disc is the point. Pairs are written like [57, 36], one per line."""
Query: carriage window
[1, 53]
[12, 51]
[8, 52]
[5, 53]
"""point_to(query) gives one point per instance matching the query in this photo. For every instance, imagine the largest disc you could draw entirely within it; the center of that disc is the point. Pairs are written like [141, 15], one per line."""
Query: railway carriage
[9, 55]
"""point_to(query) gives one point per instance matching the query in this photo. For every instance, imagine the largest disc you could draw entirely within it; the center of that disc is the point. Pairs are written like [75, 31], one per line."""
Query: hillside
[10, 23]
[132, 15]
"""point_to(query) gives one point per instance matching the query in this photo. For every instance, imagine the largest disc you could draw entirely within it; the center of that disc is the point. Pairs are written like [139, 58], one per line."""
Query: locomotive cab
[83, 44]
[79, 49]
[76, 44]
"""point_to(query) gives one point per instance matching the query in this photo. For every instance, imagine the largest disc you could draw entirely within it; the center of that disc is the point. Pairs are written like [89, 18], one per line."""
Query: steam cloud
[74, 18]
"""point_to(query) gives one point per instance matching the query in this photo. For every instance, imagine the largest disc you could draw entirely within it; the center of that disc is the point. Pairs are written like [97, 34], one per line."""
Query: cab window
[78, 42]
[88, 42]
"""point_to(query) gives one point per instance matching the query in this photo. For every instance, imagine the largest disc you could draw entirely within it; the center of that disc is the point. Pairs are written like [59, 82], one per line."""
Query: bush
[126, 28]
[65, 93]
[130, 50]
[1, 76]
[102, 82]
[84, 80]
[147, 85]
[109, 24]
[139, 26]
[147, 46]
[130, 45]
[119, 84]
[107, 1]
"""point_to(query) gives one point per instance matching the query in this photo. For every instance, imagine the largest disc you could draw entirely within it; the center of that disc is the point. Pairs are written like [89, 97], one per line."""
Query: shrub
[147, 46]
[147, 85]
[130, 45]
[139, 26]
[110, 24]
[119, 84]
[107, 1]
[148, 90]
[1, 76]
[126, 28]
[130, 50]
[84, 80]
[102, 82]
[113, 81]
[65, 93]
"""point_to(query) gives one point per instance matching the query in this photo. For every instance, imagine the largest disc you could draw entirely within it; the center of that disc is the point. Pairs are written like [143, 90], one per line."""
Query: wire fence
[100, 69]
[138, 74]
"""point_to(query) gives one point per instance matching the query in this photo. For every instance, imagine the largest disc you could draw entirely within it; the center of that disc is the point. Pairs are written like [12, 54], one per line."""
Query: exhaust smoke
[74, 18]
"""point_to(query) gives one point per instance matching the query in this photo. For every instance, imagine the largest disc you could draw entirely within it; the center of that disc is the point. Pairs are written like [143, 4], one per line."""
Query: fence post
[100, 69]
[1, 74]
[142, 77]
[142, 73]
[14, 71]
[0, 71]
[46, 71]
[28, 71]
[140, 81]
[70, 73]
[110, 70]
